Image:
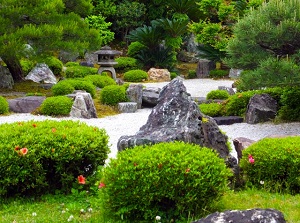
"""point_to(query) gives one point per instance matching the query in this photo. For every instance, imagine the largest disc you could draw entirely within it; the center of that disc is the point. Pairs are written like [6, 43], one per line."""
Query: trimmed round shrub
[80, 71]
[4, 106]
[55, 65]
[135, 76]
[62, 88]
[41, 157]
[218, 73]
[273, 164]
[57, 105]
[125, 64]
[113, 94]
[100, 81]
[166, 179]
[212, 109]
[217, 94]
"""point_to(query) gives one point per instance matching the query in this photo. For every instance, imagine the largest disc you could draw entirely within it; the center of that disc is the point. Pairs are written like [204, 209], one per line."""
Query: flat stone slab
[25, 104]
[228, 120]
[127, 107]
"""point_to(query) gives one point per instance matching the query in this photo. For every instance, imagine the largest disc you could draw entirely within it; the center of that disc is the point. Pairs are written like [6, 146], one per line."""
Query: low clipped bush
[212, 109]
[135, 76]
[113, 94]
[72, 64]
[125, 64]
[56, 106]
[218, 73]
[67, 86]
[273, 164]
[135, 48]
[192, 74]
[79, 71]
[217, 94]
[166, 179]
[42, 157]
[173, 75]
[4, 106]
[55, 65]
[290, 109]
[100, 81]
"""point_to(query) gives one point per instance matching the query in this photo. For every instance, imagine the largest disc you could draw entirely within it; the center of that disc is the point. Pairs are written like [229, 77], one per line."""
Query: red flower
[135, 164]
[53, 130]
[251, 159]
[159, 166]
[187, 170]
[24, 151]
[34, 125]
[101, 185]
[81, 179]
[17, 148]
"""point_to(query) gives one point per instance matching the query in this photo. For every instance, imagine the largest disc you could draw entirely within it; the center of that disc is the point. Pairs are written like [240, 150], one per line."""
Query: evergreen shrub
[55, 65]
[125, 64]
[113, 94]
[4, 106]
[57, 105]
[41, 157]
[212, 109]
[62, 88]
[72, 64]
[290, 109]
[100, 81]
[166, 179]
[135, 76]
[134, 48]
[217, 94]
[173, 75]
[218, 73]
[192, 74]
[275, 164]
[27, 65]
[80, 71]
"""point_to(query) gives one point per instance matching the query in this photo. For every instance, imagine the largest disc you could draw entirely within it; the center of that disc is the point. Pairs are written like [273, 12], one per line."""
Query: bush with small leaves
[192, 74]
[4, 107]
[72, 64]
[80, 71]
[62, 88]
[290, 109]
[217, 94]
[125, 64]
[212, 109]
[41, 157]
[135, 76]
[134, 49]
[27, 65]
[218, 73]
[56, 106]
[273, 164]
[166, 179]
[113, 94]
[100, 81]
[173, 75]
[55, 65]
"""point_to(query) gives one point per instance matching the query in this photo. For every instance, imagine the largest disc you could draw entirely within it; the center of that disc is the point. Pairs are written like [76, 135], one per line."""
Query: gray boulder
[261, 108]
[127, 107]
[41, 73]
[6, 80]
[248, 216]
[83, 106]
[228, 89]
[135, 94]
[150, 96]
[177, 117]
[25, 104]
[240, 144]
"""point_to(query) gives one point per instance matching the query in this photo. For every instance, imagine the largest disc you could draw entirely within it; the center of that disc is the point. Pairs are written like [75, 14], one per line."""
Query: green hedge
[275, 165]
[56, 106]
[47, 156]
[166, 179]
[113, 94]
[100, 81]
[212, 109]
[217, 94]
[79, 71]
[135, 76]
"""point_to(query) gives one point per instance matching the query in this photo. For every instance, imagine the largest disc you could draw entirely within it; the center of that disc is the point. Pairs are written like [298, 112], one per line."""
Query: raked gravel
[129, 123]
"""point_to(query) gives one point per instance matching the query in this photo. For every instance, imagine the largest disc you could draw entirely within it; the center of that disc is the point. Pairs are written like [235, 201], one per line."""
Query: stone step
[228, 120]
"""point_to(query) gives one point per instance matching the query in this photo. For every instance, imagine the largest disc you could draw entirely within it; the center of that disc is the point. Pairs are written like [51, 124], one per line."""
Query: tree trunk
[14, 66]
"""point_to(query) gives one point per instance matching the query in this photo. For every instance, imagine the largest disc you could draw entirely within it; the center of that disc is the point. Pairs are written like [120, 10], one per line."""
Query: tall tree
[46, 26]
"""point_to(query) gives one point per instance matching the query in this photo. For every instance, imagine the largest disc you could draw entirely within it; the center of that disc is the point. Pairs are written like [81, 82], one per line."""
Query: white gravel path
[129, 123]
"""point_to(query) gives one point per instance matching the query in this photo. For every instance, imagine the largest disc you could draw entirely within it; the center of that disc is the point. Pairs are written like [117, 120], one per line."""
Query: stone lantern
[106, 60]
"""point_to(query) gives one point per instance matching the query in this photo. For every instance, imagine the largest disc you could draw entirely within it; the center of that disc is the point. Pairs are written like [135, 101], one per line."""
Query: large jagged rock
[25, 104]
[261, 108]
[177, 118]
[248, 216]
[83, 106]
[6, 80]
[41, 73]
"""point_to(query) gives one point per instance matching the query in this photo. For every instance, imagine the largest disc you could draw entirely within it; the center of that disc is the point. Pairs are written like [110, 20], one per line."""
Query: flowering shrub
[274, 161]
[45, 156]
[166, 179]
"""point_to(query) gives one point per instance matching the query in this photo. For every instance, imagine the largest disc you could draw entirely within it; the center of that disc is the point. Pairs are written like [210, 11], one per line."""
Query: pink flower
[23, 151]
[101, 185]
[17, 148]
[251, 159]
[53, 130]
[187, 170]
[81, 179]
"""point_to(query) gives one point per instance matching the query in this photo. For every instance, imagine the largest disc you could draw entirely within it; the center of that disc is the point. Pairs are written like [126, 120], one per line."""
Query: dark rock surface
[261, 108]
[135, 94]
[150, 96]
[228, 120]
[247, 216]
[6, 80]
[25, 104]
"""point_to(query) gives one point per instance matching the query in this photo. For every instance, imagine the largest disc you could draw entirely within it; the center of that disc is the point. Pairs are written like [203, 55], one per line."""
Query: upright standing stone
[204, 67]
[6, 80]
[135, 94]
[83, 106]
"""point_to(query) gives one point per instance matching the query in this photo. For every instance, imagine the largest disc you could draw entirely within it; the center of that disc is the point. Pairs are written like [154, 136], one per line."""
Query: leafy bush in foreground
[165, 179]
[45, 156]
[275, 164]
